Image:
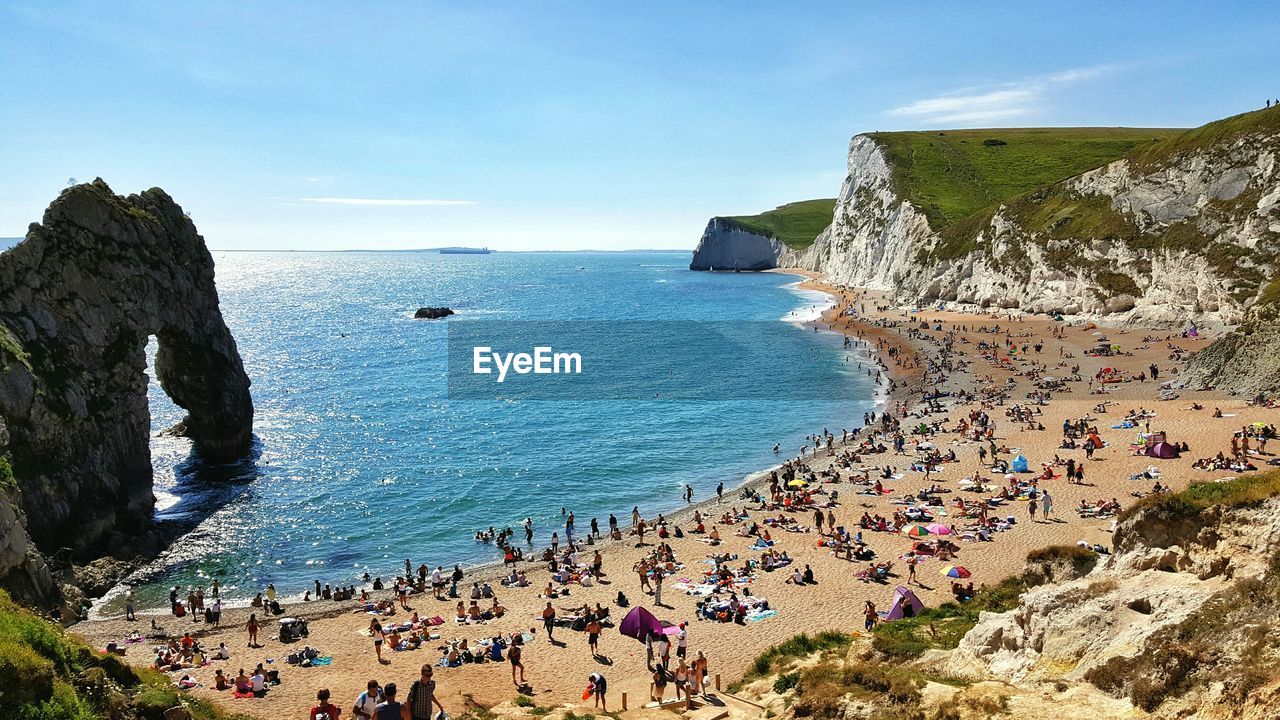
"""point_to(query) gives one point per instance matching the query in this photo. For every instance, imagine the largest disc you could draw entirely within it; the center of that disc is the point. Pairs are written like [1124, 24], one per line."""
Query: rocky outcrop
[726, 247]
[1190, 236]
[1170, 621]
[79, 299]
[1244, 361]
[432, 313]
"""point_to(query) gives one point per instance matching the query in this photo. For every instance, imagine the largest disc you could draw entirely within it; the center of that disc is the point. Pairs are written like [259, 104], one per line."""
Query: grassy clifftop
[795, 224]
[953, 174]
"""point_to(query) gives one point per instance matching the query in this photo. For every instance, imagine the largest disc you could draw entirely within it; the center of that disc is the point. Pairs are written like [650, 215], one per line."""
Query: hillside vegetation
[794, 224]
[952, 174]
[46, 674]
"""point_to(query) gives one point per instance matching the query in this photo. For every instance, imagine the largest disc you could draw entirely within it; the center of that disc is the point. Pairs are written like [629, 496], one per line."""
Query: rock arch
[79, 298]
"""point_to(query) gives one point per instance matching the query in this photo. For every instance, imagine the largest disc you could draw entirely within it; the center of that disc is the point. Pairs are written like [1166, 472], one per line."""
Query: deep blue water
[364, 460]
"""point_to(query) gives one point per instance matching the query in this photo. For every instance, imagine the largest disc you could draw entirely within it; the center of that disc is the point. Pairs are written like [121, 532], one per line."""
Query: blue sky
[559, 125]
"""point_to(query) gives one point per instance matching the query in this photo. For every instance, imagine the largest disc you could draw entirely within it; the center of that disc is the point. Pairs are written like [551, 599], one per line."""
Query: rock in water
[79, 299]
[432, 313]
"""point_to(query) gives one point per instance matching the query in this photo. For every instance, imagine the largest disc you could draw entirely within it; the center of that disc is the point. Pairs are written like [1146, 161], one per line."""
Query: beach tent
[905, 604]
[1163, 450]
[1019, 463]
[639, 624]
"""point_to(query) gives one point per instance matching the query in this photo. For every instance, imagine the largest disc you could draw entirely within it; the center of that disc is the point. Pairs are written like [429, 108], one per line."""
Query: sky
[562, 125]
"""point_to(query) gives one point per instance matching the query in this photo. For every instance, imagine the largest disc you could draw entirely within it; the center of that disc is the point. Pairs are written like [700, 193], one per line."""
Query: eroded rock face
[723, 247]
[79, 299]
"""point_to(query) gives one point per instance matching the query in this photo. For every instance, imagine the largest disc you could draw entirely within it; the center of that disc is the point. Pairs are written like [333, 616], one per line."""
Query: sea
[363, 458]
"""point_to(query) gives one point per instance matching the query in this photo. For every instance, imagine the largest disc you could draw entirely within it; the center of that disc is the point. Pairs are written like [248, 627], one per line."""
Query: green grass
[795, 224]
[1245, 491]
[952, 174]
[795, 648]
[1208, 136]
[943, 627]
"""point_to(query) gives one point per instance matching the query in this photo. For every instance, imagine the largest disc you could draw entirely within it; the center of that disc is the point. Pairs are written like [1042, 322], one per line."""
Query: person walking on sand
[635, 516]
[252, 627]
[912, 561]
[128, 606]
[593, 635]
[1047, 505]
[376, 632]
[422, 695]
[549, 619]
[1031, 508]
[870, 616]
[513, 656]
[720, 491]
[657, 587]
[688, 493]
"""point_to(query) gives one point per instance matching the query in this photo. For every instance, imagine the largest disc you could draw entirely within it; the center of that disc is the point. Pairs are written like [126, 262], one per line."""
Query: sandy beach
[558, 672]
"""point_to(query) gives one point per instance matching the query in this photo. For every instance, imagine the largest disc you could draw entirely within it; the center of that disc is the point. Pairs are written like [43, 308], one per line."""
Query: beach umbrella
[938, 529]
[955, 571]
[915, 531]
[640, 624]
[797, 483]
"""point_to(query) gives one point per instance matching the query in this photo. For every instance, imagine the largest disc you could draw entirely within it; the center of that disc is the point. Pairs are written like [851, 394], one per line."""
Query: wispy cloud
[384, 202]
[995, 102]
[318, 178]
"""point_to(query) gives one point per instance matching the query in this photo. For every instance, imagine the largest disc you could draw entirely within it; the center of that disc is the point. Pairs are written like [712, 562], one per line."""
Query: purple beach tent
[639, 624]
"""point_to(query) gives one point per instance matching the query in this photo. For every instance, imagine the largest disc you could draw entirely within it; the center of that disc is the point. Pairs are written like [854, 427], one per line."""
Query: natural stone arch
[79, 298]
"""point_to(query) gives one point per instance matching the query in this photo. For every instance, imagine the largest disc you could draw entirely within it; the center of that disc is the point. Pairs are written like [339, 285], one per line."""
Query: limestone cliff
[79, 299]
[726, 247]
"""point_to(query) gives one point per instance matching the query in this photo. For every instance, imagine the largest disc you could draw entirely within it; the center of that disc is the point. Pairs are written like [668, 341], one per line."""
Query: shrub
[785, 682]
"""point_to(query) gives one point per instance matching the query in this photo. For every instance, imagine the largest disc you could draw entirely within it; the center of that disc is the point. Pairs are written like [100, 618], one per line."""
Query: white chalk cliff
[880, 240]
[1192, 236]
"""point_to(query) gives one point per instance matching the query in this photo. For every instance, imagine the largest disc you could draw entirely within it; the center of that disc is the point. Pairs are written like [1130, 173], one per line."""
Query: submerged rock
[79, 300]
[433, 313]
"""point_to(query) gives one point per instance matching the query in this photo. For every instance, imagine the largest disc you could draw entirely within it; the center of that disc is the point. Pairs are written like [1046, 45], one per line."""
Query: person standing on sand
[513, 656]
[593, 635]
[635, 516]
[252, 627]
[599, 689]
[389, 709]
[1031, 507]
[128, 606]
[657, 587]
[700, 670]
[367, 701]
[720, 491]
[422, 695]
[912, 561]
[870, 616]
[1047, 505]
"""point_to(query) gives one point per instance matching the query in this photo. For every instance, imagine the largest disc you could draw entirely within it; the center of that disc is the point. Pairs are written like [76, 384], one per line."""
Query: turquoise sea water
[363, 460]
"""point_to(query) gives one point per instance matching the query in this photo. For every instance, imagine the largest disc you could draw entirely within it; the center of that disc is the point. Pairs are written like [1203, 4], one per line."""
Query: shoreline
[493, 570]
